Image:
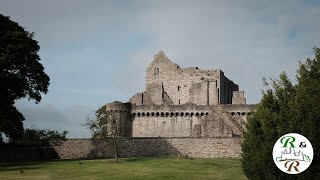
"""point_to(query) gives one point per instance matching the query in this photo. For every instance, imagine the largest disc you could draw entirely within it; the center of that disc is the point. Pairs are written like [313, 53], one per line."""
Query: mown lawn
[128, 168]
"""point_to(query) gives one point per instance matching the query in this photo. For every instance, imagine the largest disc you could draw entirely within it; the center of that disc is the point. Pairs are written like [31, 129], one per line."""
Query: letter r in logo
[288, 139]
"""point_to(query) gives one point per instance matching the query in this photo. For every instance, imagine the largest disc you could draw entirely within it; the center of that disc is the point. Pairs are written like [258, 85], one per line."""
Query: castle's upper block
[168, 83]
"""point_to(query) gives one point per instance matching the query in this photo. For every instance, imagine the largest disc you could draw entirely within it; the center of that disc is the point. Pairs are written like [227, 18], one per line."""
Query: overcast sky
[96, 52]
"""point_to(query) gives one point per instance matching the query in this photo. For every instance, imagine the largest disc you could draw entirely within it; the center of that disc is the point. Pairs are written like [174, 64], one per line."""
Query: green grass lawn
[128, 168]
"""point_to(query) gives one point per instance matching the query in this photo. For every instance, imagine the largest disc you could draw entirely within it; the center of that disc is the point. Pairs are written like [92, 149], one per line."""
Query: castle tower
[182, 102]
[121, 112]
[187, 85]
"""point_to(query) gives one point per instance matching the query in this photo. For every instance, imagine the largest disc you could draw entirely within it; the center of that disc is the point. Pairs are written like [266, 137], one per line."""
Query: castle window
[142, 98]
[178, 88]
[156, 71]
[218, 95]
[179, 101]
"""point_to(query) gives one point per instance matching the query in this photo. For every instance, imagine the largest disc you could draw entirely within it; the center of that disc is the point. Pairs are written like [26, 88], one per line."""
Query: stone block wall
[174, 126]
[238, 97]
[155, 147]
[226, 89]
[198, 86]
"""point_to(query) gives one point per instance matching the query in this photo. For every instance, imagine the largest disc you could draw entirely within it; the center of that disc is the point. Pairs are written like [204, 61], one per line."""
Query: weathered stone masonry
[199, 113]
[137, 147]
[186, 102]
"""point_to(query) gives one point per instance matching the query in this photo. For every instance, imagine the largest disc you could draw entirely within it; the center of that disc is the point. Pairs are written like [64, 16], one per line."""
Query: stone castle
[183, 102]
[192, 112]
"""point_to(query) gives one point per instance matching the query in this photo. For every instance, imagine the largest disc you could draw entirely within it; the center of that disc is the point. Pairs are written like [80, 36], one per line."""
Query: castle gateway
[183, 102]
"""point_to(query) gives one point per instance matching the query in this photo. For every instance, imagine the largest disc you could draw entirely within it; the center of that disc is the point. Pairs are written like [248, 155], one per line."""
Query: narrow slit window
[156, 71]
[178, 88]
[218, 96]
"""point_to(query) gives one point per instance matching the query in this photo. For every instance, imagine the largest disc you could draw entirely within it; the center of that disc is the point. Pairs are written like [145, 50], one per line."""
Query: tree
[21, 74]
[284, 108]
[41, 138]
[106, 124]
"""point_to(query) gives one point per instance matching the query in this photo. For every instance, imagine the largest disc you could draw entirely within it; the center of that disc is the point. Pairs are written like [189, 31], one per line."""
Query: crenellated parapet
[188, 120]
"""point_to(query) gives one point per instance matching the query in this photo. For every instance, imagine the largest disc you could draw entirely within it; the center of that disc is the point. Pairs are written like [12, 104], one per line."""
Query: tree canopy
[21, 74]
[41, 138]
[284, 108]
[106, 124]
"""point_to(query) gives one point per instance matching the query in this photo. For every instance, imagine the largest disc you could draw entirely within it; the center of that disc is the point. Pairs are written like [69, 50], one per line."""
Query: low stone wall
[135, 147]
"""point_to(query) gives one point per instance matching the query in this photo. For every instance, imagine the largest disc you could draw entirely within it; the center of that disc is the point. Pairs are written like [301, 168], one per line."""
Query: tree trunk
[115, 144]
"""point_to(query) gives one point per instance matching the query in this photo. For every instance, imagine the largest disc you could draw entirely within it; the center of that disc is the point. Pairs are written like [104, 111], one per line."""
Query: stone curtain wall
[166, 126]
[144, 147]
[188, 120]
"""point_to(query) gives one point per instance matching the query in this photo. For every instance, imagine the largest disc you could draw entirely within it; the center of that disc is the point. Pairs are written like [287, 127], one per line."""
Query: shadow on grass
[8, 166]
[19, 168]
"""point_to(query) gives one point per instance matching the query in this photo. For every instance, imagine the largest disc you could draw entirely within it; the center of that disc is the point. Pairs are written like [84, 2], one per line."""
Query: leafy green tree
[21, 74]
[41, 138]
[105, 125]
[284, 108]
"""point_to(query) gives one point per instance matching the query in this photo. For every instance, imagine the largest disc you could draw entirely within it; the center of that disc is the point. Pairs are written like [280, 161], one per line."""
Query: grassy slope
[129, 168]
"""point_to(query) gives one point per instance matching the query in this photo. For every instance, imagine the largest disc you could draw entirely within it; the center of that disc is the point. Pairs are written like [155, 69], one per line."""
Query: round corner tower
[122, 114]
